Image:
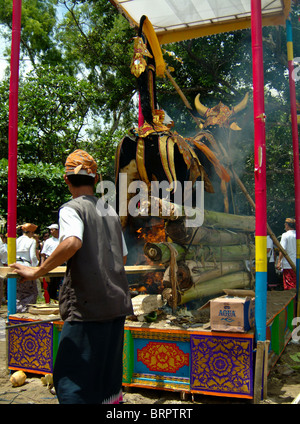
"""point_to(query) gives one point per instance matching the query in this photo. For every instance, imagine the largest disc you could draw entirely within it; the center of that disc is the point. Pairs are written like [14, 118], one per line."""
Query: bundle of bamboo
[203, 261]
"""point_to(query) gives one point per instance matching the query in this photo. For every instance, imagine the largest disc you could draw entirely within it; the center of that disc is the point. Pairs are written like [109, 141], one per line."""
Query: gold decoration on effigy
[138, 63]
[158, 125]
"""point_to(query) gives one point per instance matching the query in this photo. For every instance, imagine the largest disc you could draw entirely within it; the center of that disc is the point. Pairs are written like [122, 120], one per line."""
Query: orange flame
[154, 234]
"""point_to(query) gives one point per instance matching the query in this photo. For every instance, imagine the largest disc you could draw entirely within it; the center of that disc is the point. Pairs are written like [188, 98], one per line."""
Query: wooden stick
[270, 232]
[137, 269]
[258, 372]
[6, 271]
[266, 365]
[26, 324]
[182, 96]
[296, 401]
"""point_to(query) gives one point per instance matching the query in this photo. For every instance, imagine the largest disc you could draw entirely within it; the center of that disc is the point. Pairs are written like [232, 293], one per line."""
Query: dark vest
[95, 287]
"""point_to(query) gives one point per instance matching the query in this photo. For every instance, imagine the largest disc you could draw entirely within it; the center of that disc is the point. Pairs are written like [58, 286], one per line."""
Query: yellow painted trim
[140, 161]
[151, 36]
[165, 37]
[298, 248]
[11, 250]
[261, 253]
[290, 50]
[215, 28]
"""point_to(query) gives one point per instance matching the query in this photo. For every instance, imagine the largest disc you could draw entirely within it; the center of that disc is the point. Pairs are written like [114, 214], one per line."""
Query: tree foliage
[77, 92]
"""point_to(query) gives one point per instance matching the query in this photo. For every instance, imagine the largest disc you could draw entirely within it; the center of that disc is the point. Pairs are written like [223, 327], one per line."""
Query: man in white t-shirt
[3, 251]
[271, 275]
[27, 292]
[51, 285]
[3, 262]
[288, 242]
[94, 299]
[51, 243]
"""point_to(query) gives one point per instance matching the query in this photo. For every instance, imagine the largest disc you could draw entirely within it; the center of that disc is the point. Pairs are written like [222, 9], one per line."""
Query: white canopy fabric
[177, 20]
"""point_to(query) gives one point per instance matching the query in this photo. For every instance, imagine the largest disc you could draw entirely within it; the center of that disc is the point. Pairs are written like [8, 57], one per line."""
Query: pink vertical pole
[12, 150]
[141, 117]
[259, 172]
[295, 137]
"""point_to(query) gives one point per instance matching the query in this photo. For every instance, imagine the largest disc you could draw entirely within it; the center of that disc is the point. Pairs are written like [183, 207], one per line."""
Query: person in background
[26, 254]
[271, 274]
[3, 262]
[94, 298]
[50, 285]
[288, 242]
[3, 251]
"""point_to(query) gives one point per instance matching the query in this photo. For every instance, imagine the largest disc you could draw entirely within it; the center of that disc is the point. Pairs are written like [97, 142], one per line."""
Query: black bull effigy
[153, 152]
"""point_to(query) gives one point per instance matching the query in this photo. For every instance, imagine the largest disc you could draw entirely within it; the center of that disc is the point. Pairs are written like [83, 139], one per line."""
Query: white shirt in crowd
[3, 254]
[49, 246]
[288, 242]
[26, 250]
[270, 246]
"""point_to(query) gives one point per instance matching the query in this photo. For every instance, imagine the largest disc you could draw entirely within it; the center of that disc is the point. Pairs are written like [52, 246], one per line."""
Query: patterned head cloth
[80, 162]
[29, 227]
[291, 222]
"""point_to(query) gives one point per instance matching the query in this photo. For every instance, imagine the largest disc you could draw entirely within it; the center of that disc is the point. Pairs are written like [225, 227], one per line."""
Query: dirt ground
[283, 385]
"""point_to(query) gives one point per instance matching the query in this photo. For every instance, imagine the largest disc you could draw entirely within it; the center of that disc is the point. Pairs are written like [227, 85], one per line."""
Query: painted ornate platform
[165, 357]
[189, 361]
[33, 347]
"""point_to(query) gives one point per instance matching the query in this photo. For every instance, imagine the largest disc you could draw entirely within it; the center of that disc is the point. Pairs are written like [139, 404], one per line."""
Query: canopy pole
[12, 152]
[290, 56]
[259, 173]
[141, 117]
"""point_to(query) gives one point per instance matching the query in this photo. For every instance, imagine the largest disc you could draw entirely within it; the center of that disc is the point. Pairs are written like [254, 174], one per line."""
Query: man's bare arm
[64, 251]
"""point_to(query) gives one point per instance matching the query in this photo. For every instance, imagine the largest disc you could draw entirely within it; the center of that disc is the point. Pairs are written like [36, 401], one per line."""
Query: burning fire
[152, 282]
[154, 234]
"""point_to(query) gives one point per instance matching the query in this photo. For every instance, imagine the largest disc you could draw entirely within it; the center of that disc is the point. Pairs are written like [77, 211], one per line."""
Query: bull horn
[242, 104]
[201, 109]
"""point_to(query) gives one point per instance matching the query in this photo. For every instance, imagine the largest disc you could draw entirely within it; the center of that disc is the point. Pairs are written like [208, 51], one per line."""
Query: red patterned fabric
[289, 279]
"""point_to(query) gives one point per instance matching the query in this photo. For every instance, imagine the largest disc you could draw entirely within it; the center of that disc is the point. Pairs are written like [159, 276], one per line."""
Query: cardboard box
[232, 313]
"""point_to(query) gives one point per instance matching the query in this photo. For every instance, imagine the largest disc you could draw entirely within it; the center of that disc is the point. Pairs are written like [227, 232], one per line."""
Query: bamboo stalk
[171, 211]
[184, 280]
[194, 272]
[216, 286]
[160, 252]
[181, 234]
[226, 220]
